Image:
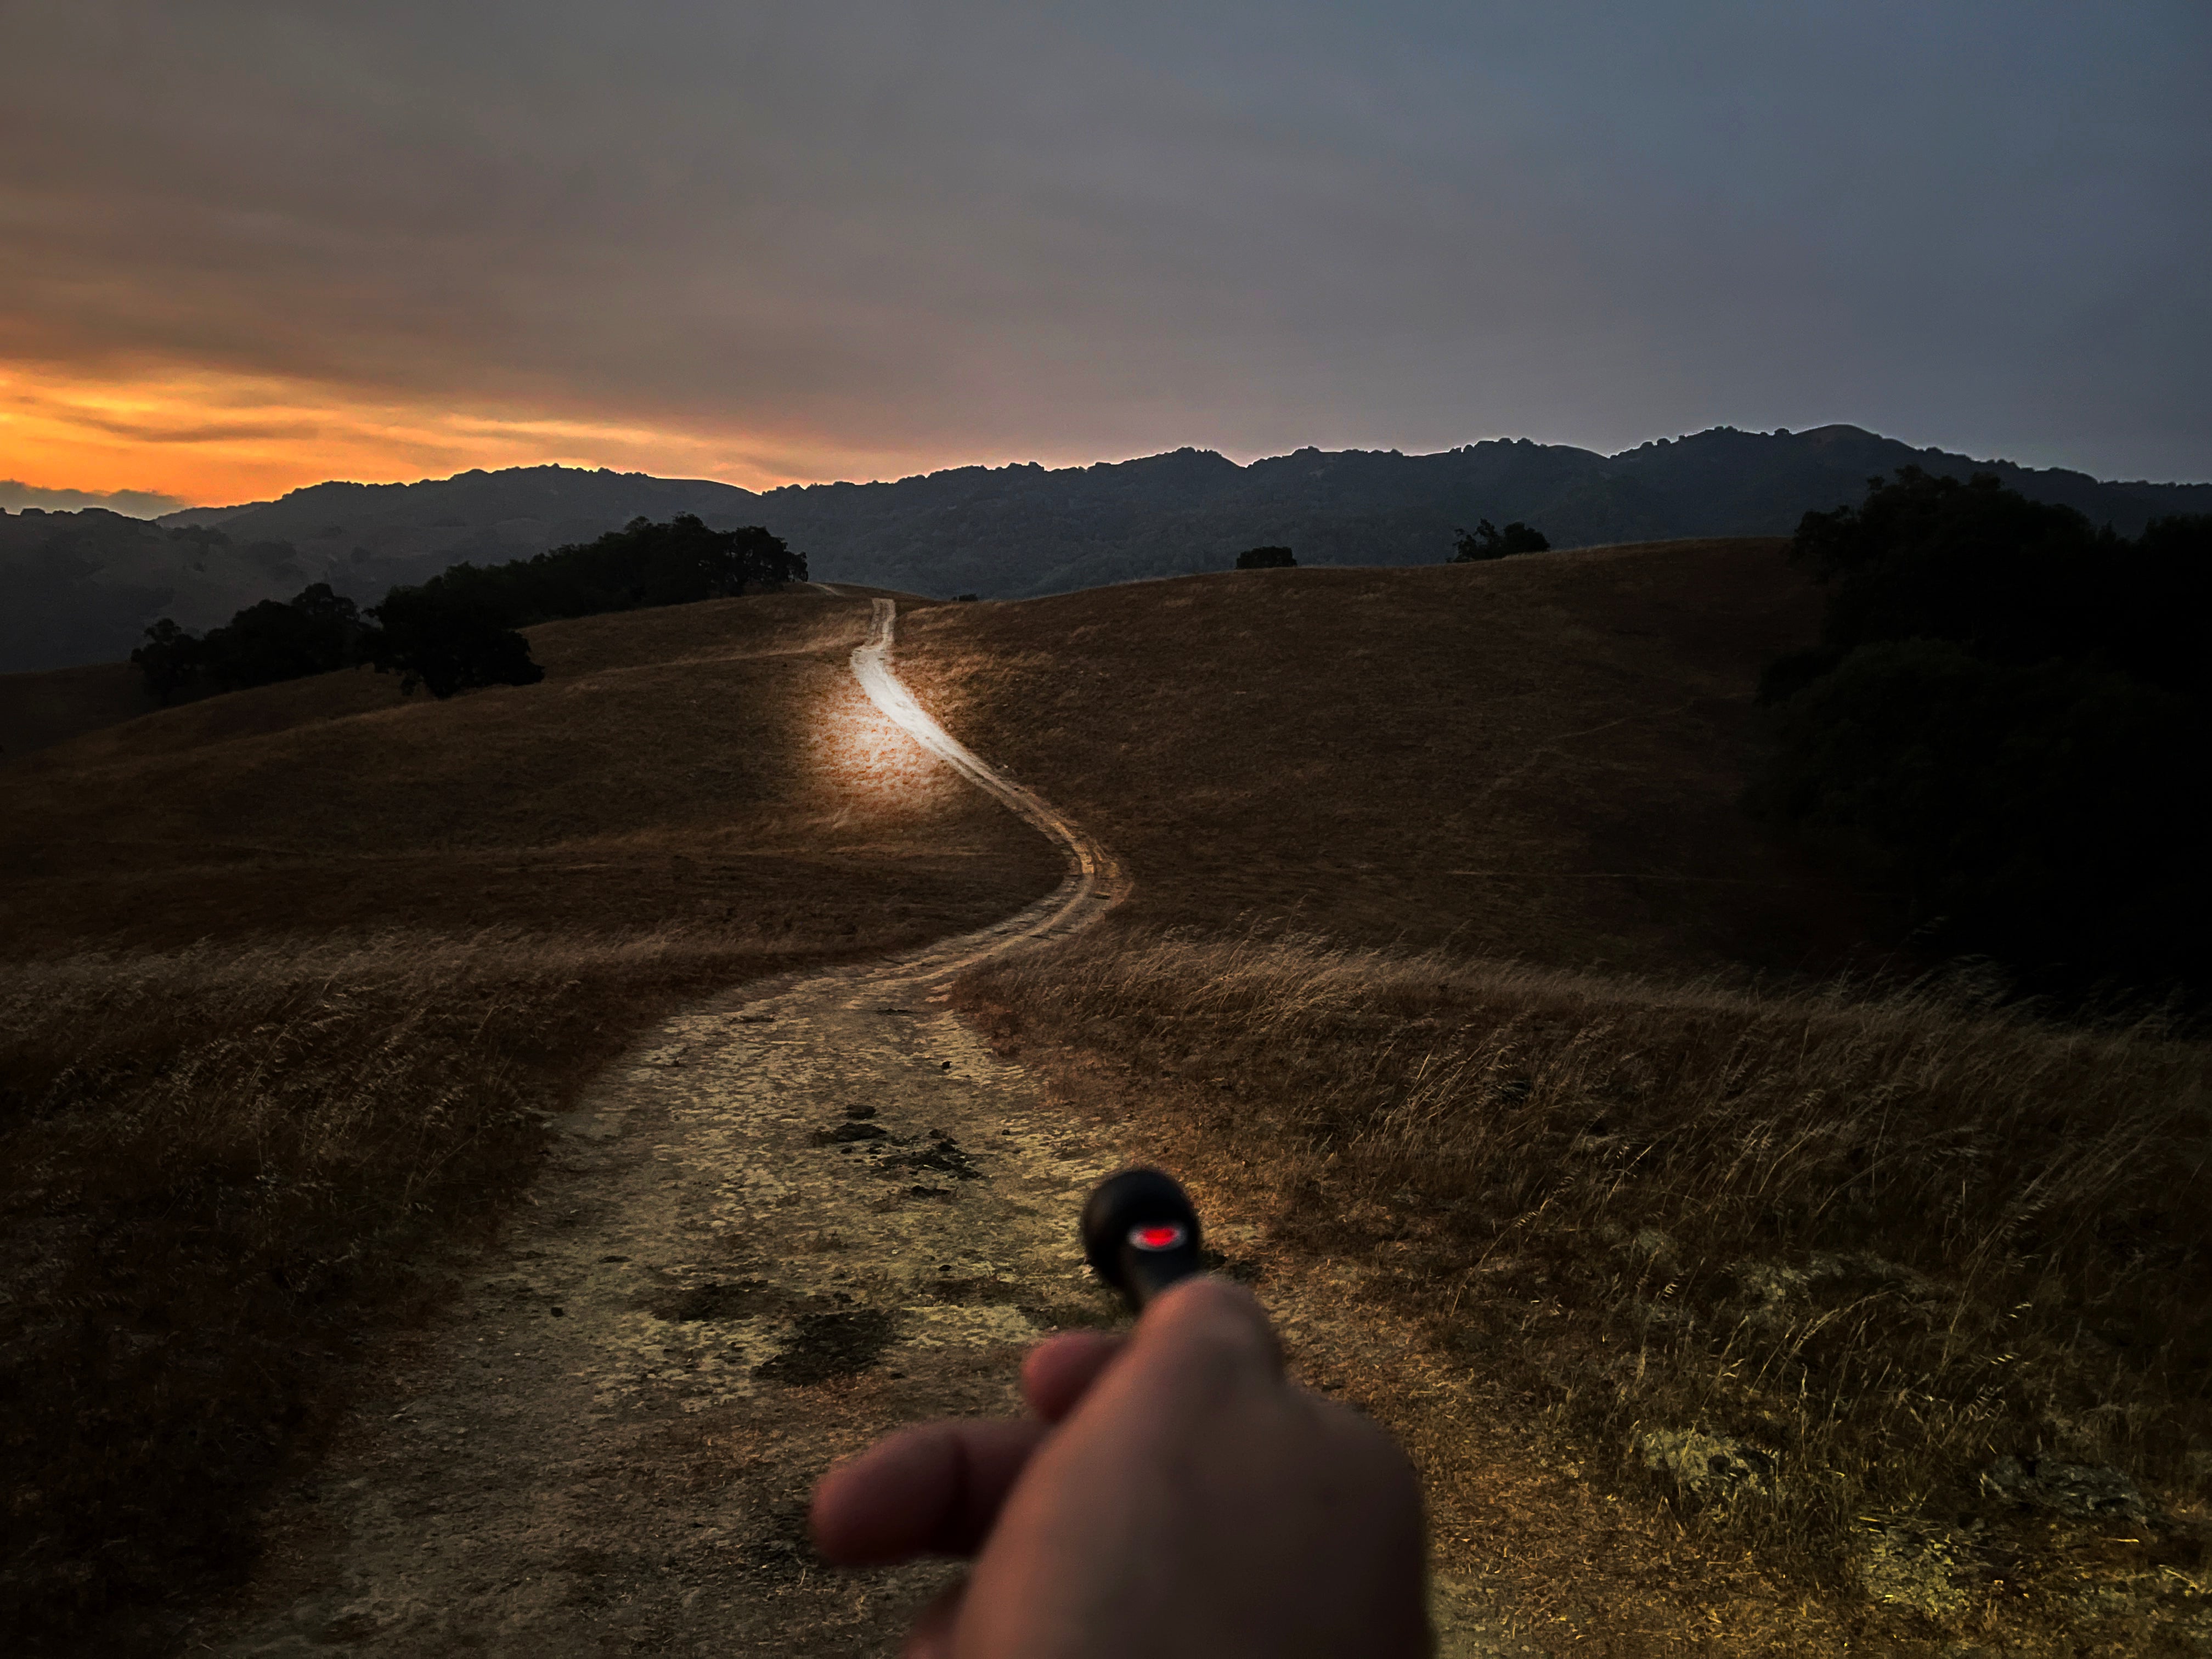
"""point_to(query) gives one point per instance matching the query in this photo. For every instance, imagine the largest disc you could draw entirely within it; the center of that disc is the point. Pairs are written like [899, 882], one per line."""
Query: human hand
[1174, 1496]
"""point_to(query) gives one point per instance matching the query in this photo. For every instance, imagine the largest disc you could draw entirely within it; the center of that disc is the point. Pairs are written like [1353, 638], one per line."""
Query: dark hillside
[1011, 532]
[1003, 532]
[407, 533]
[1023, 529]
[1752, 484]
[40, 710]
[684, 765]
[81, 587]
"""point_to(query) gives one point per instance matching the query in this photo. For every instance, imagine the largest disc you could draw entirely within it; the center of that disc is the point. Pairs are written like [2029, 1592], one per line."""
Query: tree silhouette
[170, 658]
[1487, 541]
[643, 564]
[313, 632]
[1266, 558]
[444, 639]
[458, 629]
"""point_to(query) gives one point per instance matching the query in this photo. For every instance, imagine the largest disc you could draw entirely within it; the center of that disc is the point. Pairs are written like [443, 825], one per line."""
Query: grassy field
[1455, 980]
[296, 974]
[1805, 1268]
[698, 764]
[1536, 758]
[1455, 972]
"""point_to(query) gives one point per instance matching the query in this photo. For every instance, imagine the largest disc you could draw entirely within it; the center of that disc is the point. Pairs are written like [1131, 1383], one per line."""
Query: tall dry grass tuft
[1867, 1244]
[219, 1168]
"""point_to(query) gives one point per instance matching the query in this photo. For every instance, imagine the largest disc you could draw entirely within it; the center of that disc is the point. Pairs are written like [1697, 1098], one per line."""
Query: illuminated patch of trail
[790, 1221]
[1094, 881]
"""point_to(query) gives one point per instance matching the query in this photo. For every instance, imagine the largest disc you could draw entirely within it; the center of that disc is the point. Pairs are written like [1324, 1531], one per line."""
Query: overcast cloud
[855, 238]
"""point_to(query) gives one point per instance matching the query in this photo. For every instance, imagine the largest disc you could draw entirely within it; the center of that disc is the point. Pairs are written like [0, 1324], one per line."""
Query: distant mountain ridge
[82, 585]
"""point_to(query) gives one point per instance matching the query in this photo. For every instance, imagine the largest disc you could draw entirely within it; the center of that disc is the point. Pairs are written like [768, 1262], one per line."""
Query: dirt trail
[794, 1218]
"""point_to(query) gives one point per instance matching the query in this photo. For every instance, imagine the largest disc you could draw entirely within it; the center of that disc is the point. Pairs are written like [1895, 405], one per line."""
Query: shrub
[1487, 541]
[1266, 558]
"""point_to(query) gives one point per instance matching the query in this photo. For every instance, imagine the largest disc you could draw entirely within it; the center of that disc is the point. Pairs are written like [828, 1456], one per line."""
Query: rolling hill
[685, 764]
[297, 979]
[1537, 758]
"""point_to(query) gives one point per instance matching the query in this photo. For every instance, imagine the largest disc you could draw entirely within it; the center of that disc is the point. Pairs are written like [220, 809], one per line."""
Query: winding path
[789, 1220]
[1095, 882]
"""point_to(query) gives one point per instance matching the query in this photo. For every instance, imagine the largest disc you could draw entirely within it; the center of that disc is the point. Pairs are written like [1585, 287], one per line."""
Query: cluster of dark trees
[312, 633]
[427, 639]
[1487, 541]
[1266, 558]
[2005, 722]
[458, 629]
[641, 564]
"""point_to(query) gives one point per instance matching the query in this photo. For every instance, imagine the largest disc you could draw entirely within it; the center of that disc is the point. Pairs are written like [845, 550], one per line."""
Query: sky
[248, 246]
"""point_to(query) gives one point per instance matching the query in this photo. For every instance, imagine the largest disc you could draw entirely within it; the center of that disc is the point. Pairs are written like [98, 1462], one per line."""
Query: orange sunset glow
[210, 438]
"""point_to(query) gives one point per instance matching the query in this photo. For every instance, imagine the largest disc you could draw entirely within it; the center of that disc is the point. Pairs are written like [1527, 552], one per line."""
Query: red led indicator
[1161, 1237]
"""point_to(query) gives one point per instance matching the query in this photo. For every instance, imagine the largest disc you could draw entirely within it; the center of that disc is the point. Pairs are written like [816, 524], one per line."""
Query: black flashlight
[1140, 1234]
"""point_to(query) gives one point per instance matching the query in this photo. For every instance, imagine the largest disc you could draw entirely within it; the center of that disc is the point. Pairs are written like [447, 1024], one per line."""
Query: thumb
[1203, 1336]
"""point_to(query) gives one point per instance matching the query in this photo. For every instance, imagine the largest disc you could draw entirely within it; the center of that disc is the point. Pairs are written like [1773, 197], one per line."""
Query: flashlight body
[1140, 1234]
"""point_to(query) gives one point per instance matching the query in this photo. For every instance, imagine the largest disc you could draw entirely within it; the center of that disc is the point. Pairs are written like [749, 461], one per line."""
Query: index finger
[932, 1489]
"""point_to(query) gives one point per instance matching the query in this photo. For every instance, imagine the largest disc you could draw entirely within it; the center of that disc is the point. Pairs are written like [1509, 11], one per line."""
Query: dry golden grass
[1877, 1241]
[1536, 757]
[41, 709]
[218, 1168]
[700, 764]
[1866, 1246]
[1549, 1117]
[292, 974]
